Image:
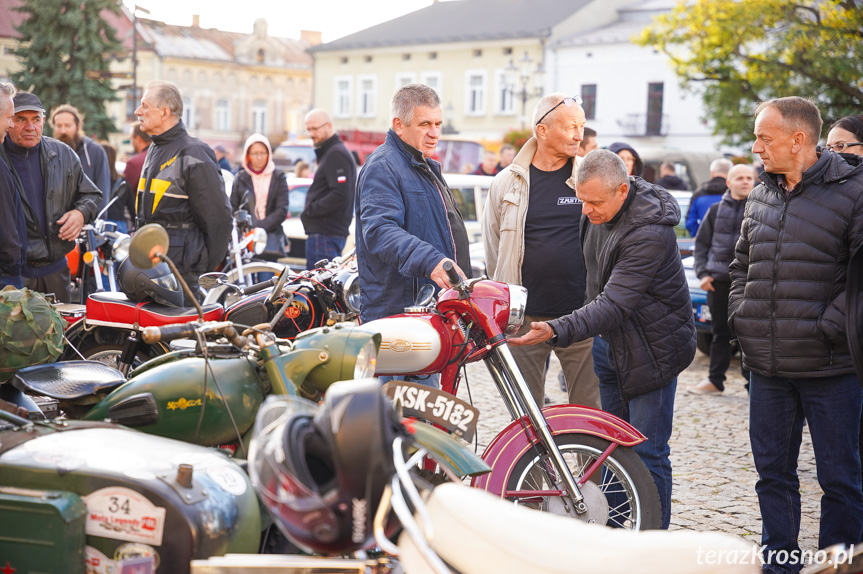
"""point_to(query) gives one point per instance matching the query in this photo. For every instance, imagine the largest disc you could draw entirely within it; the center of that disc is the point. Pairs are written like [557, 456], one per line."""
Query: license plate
[422, 402]
[704, 314]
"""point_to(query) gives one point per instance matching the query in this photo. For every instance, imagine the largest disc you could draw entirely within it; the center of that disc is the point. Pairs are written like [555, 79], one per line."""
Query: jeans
[831, 407]
[651, 413]
[319, 246]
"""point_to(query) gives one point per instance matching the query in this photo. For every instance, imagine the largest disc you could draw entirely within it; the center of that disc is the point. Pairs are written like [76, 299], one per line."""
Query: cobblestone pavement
[714, 474]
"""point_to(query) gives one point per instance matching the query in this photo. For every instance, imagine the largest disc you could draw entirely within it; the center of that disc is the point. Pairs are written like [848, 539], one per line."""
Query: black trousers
[720, 347]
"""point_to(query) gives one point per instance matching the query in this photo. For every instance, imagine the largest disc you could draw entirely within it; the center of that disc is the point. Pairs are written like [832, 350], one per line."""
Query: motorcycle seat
[476, 532]
[114, 309]
[68, 380]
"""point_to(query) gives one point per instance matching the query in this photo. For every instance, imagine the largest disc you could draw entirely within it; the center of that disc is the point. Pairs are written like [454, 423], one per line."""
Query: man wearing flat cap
[56, 196]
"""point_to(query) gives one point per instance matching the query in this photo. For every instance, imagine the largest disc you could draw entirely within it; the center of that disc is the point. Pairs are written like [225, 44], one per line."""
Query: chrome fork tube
[524, 399]
[238, 255]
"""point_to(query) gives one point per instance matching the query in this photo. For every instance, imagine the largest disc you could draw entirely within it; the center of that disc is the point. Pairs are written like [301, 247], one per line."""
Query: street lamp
[527, 75]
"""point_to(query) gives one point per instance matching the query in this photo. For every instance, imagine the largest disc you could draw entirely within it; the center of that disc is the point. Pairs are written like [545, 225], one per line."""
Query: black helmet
[157, 284]
[321, 471]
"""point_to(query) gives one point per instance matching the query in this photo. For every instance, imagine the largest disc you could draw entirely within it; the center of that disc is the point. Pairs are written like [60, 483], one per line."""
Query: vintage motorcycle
[341, 476]
[110, 331]
[571, 460]
[207, 394]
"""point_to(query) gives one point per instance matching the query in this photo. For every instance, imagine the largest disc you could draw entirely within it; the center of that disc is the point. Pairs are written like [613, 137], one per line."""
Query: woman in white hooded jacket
[262, 189]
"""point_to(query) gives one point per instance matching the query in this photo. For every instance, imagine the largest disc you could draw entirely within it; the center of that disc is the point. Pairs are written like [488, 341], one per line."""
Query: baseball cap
[25, 102]
[220, 148]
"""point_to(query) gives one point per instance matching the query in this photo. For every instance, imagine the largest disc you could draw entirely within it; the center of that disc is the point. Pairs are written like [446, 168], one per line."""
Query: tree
[65, 47]
[741, 52]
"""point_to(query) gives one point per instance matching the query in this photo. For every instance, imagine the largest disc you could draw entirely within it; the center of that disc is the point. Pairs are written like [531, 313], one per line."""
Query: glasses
[840, 147]
[316, 128]
[258, 154]
[574, 100]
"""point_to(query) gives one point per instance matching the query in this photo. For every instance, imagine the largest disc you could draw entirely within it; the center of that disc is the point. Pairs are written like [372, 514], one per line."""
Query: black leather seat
[68, 380]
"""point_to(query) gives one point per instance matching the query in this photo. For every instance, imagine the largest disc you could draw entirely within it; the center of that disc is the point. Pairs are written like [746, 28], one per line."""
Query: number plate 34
[434, 405]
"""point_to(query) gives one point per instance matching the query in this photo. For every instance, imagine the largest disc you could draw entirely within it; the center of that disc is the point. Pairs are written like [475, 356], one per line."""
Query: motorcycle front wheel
[620, 494]
[105, 344]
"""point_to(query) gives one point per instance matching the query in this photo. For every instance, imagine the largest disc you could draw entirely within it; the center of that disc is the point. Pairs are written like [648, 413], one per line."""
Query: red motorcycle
[571, 460]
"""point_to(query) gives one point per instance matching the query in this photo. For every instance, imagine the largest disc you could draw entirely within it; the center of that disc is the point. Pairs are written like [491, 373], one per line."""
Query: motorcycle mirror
[277, 290]
[209, 280]
[147, 244]
[104, 209]
[425, 295]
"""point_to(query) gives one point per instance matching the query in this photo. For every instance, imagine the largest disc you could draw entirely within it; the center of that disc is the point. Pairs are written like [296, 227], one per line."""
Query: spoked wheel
[620, 494]
[105, 345]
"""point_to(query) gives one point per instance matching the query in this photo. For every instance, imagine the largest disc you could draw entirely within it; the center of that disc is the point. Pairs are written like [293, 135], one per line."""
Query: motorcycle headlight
[259, 240]
[352, 293]
[517, 304]
[120, 248]
[367, 359]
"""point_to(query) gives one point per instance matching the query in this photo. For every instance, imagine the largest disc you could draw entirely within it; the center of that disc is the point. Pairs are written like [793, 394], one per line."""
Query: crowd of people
[592, 241]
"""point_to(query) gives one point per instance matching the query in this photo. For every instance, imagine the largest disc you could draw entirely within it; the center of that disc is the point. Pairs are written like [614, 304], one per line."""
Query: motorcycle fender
[511, 443]
[446, 449]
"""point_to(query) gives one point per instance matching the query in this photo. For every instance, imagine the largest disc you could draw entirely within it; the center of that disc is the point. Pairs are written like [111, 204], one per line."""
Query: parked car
[693, 167]
[470, 192]
[289, 152]
[700, 310]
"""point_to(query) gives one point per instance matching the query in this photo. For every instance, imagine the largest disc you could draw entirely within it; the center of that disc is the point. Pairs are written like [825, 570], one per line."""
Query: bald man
[330, 199]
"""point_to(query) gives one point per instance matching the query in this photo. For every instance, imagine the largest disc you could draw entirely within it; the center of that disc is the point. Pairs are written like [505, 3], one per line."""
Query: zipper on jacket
[781, 231]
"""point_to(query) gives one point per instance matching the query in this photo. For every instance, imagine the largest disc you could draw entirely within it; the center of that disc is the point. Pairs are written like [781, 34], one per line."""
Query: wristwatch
[553, 340]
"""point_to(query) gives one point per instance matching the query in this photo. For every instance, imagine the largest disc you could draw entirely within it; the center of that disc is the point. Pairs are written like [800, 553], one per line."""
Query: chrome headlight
[352, 293]
[120, 248]
[517, 304]
[259, 240]
[367, 359]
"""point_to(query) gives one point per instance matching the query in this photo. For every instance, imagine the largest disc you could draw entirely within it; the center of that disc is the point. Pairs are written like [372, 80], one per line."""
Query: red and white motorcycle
[571, 460]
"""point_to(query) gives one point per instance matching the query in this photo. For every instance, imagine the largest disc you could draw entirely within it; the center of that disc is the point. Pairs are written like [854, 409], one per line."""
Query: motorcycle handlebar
[451, 273]
[257, 287]
[168, 333]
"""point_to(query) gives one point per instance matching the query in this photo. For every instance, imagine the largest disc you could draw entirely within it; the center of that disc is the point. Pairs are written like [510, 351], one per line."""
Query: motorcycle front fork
[519, 401]
[127, 356]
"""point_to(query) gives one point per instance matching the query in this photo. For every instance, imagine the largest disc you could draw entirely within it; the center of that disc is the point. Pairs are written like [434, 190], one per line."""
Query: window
[588, 97]
[262, 56]
[434, 80]
[503, 96]
[259, 116]
[368, 59]
[344, 60]
[475, 93]
[367, 95]
[406, 57]
[189, 112]
[477, 53]
[654, 108]
[342, 92]
[223, 115]
[404, 79]
[432, 55]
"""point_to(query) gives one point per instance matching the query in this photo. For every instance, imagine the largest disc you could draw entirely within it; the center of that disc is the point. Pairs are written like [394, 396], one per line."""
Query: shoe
[561, 381]
[547, 400]
[705, 387]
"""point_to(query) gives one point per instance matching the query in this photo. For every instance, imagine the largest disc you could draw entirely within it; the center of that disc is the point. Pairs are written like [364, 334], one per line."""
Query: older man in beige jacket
[531, 229]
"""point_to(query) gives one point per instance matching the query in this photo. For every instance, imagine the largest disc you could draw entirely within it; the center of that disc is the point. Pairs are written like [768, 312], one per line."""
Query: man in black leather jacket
[787, 307]
[181, 186]
[639, 311]
[57, 197]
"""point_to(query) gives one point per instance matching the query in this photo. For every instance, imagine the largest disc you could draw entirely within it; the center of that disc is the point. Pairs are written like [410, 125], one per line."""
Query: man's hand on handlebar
[439, 275]
[540, 332]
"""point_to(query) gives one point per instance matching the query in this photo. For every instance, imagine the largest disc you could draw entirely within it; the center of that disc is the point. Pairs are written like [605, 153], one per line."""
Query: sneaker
[705, 387]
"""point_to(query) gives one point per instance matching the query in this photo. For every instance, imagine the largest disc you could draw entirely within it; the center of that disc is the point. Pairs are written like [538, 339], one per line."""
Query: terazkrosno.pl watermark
[761, 555]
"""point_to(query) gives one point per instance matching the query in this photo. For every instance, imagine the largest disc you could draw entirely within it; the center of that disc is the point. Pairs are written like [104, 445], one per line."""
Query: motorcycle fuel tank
[150, 502]
[167, 400]
[411, 344]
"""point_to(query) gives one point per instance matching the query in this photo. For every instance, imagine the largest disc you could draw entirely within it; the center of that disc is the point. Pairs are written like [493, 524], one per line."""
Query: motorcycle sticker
[123, 514]
[229, 479]
[423, 402]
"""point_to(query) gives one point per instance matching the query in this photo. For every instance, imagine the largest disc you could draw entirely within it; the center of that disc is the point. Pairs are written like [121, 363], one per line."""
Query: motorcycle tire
[622, 494]
[105, 344]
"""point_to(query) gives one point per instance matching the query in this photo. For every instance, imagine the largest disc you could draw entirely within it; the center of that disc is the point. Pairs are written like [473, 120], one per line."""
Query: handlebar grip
[235, 338]
[259, 286]
[451, 273]
[152, 335]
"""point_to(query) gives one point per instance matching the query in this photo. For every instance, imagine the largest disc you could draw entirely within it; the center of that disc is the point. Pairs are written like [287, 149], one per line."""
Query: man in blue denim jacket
[407, 221]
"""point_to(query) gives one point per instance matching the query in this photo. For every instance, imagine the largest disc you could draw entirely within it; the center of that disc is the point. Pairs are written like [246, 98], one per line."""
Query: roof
[463, 21]
[631, 21]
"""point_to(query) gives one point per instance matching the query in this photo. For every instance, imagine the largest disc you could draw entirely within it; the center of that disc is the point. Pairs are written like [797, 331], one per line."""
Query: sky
[285, 18]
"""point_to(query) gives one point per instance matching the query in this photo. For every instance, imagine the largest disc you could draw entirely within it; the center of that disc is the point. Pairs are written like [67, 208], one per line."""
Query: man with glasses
[58, 198]
[329, 205]
[181, 186]
[531, 228]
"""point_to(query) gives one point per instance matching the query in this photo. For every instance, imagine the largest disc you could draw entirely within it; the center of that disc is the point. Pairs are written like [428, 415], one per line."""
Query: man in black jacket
[12, 230]
[788, 309]
[68, 126]
[329, 205]
[714, 251]
[639, 310]
[57, 197]
[181, 186]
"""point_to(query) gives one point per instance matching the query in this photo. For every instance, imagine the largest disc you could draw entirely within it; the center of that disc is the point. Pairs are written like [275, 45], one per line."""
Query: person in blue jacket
[707, 194]
[407, 221]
